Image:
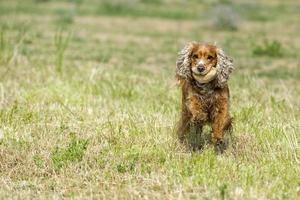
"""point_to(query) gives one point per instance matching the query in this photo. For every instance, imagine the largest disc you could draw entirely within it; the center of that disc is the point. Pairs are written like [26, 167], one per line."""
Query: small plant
[72, 153]
[272, 49]
[225, 18]
[129, 162]
[38, 161]
[223, 191]
[61, 44]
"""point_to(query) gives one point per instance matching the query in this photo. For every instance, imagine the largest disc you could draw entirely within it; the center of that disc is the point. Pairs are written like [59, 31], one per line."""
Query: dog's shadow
[196, 140]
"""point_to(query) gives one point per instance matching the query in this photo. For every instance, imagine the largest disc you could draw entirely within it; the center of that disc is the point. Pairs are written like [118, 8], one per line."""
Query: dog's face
[203, 57]
[201, 61]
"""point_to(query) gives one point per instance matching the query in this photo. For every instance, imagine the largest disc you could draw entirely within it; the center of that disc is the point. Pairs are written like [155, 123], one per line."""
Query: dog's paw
[220, 146]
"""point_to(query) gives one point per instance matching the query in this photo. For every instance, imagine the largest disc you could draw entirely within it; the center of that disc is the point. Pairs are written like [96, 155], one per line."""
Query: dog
[202, 71]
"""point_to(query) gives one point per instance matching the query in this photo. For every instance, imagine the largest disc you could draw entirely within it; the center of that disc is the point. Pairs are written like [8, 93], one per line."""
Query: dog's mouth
[198, 73]
[205, 77]
[202, 72]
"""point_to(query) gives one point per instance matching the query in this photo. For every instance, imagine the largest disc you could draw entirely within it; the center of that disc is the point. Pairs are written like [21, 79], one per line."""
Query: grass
[93, 115]
[74, 152]
[142, 9]
[61, 44]
[272, 49]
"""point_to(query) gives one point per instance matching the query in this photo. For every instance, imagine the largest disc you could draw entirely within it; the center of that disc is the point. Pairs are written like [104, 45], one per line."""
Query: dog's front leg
[198, 114]
[198, 119]
[221, 120]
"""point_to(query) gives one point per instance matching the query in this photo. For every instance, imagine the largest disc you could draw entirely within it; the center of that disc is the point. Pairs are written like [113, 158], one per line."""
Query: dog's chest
[205, 100]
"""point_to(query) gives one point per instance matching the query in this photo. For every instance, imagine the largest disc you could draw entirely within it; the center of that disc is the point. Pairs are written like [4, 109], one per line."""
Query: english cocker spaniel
[203, 71]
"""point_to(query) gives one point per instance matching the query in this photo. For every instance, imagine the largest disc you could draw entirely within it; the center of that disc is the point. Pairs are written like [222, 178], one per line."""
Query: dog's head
[203, 60]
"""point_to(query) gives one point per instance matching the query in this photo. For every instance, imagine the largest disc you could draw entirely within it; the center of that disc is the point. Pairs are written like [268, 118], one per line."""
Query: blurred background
[141, 27]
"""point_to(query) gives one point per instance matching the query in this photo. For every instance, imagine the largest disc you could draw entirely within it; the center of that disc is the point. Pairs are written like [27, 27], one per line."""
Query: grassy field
[88, 102]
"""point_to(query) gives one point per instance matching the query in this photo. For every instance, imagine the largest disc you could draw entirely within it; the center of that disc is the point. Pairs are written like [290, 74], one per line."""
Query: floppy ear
[183, 62]
[224, 68]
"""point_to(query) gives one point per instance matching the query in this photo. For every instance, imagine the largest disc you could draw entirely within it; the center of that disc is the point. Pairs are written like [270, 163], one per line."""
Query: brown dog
[203, 71]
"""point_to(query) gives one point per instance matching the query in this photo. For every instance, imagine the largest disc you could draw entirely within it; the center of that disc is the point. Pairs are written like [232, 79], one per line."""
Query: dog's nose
[201, 68]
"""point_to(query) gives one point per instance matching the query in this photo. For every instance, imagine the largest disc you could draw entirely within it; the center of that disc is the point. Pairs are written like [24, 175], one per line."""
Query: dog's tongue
[208, 77]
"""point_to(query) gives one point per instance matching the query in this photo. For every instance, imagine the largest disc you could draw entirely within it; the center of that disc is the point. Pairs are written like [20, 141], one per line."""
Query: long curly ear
[224, 68]
[183, 62]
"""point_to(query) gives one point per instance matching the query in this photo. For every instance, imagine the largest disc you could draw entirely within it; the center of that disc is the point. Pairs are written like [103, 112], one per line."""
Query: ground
[89, 102]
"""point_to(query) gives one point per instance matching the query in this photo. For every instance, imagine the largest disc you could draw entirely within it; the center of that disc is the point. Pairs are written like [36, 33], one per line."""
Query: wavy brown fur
[204, 103]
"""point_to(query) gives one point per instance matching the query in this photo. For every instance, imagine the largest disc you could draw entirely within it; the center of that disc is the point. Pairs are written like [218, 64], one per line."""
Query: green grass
[72, 153]
[272, 49]
[61, 43]
[92, 114]
[144, 9]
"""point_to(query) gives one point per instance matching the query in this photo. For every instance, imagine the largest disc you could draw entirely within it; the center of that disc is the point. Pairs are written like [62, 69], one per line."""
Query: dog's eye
[210, 57]
[195, 56]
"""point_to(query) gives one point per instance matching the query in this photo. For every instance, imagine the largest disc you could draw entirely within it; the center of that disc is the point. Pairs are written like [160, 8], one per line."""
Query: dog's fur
[204, 103]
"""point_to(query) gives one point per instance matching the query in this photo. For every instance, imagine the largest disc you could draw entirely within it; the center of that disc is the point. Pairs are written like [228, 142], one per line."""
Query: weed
[61, 43]
[38, 161]
[74, 152]
[223, 191]
[268, 48]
